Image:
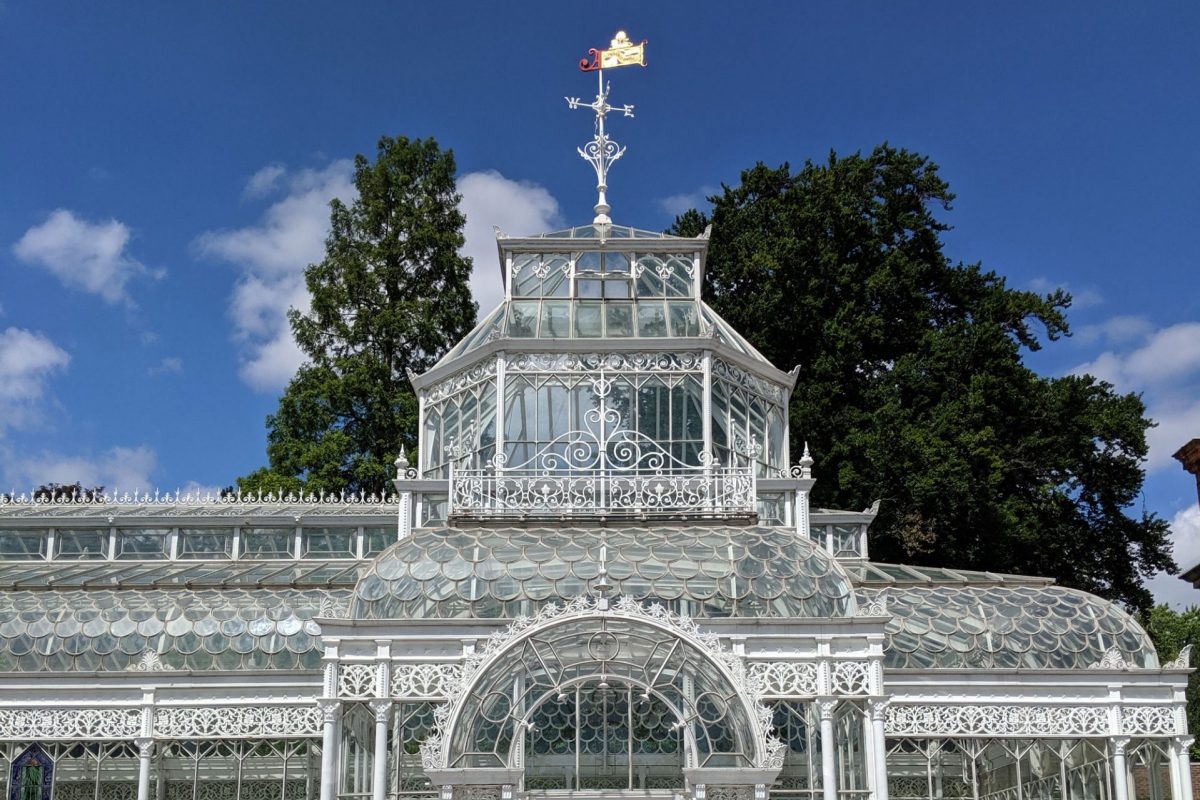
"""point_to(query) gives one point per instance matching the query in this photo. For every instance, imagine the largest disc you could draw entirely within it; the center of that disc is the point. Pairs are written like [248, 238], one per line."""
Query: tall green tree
[390, 296]
[1171, 631]
[912, 385]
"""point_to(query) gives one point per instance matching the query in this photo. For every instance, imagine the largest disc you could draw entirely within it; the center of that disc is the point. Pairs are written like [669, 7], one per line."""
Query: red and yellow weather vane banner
[620, 53]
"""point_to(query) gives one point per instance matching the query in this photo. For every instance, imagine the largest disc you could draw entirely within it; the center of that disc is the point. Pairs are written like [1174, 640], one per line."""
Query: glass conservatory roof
[499, 572]
[599, 322]
[106, 630]
[1032, 627]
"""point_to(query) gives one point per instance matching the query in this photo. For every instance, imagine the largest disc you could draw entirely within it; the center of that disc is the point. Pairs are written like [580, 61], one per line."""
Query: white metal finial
[602, 151]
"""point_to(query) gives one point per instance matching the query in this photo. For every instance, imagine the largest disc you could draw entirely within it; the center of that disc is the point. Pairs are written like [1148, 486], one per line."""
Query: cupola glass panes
[602, 294]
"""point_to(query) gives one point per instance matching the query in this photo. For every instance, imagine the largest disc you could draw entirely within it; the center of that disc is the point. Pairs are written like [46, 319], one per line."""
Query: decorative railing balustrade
[604, 470]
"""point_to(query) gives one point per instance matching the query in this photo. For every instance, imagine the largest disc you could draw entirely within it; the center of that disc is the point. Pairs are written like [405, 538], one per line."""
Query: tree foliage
[1171, 631]
[391, 296]
[912, 385]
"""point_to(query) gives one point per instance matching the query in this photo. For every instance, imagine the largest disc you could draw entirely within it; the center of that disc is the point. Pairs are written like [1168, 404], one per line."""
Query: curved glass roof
[679, 318]
[111, 630]
[708, 571]
[1032, 627]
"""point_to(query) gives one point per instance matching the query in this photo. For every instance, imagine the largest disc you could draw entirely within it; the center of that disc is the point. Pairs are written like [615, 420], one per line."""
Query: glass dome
[704, 571]
[1031, 627]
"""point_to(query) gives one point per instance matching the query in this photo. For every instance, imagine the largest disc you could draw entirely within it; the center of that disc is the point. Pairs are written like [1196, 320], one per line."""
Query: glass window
[649, 283]
[376, 540]
[18, 545]
[522, 319]
[616, 262]
[138, 543]
[268, 542]
[590, 288]
[525, 282]
[771, 508]
[587, 320]
[845, 540]
[652, 318]
[620, 319]
[206, 542]
[685, 319]
[433, 510]
[556, 319]
[81, 544]
[329, 542]
[587, 262]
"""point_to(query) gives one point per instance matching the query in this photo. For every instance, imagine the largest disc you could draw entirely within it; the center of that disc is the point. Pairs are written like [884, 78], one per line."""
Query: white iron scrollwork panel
[236, 721]
[785, 678]
[604, 469]
[996, 720]
[424, 681]
[356, 681]
[69, 723]
[851, 677]
[1148, 721]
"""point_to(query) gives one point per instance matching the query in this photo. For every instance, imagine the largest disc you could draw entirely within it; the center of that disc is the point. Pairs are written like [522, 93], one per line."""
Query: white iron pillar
[877, 708]
[382, 708]
[1181, 748]
[145, 746]
[1120, 771]
[331, 713]
[826, 706]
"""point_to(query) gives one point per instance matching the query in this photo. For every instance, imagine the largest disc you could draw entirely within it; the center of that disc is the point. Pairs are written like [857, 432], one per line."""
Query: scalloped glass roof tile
[1004, 627]
[878, 573]
[718, 571]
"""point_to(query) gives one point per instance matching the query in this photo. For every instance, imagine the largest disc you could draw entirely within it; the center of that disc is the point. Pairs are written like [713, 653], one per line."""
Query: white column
[383, 714]
[145, 754]
[1120, 772]
[331, 711]
[877, 707]
[826, 706]
[1183, 758]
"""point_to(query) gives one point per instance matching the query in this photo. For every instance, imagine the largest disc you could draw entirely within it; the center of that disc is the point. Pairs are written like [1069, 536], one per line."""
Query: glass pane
[206, 542]
[620, 319]
[616, 262]
[556, 319]
[652, 318]
[649, 284]
[522, 319]
[433, 510]
[268, 542]
[375, 540]
[525, 280]
[587, 262]
[615, 288]
[133, 543]
[590, 288]
[329, 542]
[70, 543]
[587, 320]
[556, 283]
[18, 545]
[685, 320]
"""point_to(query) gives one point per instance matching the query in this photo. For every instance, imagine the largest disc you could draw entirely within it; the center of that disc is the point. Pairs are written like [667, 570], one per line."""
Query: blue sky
[166, 169]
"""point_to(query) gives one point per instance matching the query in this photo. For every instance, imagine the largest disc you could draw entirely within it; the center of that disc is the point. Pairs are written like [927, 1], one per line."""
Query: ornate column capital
[826, 707]
[1119, 743]
[878, 706]
[145, 746]
[381, 708]
[1184, 743]
[331, 708]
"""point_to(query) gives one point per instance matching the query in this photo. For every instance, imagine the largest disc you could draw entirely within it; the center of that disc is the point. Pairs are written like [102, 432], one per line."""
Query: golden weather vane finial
[602, 151]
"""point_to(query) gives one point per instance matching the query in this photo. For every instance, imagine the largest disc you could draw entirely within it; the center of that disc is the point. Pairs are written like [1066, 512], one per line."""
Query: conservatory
[599, 576]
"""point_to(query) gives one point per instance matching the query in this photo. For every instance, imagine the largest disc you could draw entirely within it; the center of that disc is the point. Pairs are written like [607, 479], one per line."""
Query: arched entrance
[588, 697]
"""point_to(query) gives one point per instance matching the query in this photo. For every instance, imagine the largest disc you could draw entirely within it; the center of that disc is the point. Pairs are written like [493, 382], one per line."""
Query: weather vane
[602, 151]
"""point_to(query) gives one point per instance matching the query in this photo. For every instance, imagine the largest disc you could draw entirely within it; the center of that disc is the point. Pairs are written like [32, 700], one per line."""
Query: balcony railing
[586, 474]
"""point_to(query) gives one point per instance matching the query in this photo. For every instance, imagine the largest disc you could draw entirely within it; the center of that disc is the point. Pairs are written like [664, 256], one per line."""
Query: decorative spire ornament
[602, 151]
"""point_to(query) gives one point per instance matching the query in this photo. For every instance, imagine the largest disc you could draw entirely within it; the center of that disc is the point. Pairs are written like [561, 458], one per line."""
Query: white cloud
[518, 208]
[272, 256]
[1118, 330]
[90, 256]
[27, 361]
[1163, 365]
[677, 204]
[167, 366]
[119, 469]
[263, 182]
[291, 235]
[1185, 534]
[1086, 297]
